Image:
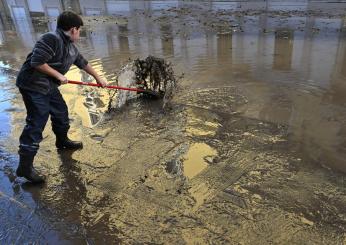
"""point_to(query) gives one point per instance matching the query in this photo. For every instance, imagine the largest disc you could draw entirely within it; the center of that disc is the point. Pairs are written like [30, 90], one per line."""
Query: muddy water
[251, 151]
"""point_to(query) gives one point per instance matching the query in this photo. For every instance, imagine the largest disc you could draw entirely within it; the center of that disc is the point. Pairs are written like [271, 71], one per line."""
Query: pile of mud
[152, 73]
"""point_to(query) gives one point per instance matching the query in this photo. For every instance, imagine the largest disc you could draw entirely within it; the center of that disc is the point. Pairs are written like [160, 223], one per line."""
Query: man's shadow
[72, 189]
[62, 197]
[73, 179]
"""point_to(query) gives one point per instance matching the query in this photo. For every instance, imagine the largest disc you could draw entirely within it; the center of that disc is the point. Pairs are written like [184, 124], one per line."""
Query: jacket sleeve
[80, 61]
[44, 49]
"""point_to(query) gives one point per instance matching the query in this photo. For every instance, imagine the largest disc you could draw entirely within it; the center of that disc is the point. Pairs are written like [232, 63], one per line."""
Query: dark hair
[68, 20]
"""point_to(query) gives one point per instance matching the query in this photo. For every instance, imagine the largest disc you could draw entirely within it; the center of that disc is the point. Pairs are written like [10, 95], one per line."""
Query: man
[38, 81]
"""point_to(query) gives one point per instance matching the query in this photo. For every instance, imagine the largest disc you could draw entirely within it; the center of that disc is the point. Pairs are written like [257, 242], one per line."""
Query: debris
[152, 73]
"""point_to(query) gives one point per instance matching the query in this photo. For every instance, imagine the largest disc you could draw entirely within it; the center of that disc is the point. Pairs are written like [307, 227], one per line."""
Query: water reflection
[2, 36]
[283, 49]
[341, 56]
[195, 159]
[123, 39]
[167, 41]
[224, 48]
[23, 25]
[305, 53]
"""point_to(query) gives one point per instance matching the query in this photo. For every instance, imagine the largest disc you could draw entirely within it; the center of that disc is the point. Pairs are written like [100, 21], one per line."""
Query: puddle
[197, 159]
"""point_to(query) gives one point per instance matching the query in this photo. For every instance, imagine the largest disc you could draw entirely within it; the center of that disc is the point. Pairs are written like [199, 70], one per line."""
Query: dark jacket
[58, 51]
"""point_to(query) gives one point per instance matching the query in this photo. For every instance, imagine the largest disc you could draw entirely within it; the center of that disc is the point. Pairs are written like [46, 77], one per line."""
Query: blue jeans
[39, 106]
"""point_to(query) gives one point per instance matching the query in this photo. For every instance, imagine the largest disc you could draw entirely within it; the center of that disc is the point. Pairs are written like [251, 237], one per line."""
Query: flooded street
[250, 150]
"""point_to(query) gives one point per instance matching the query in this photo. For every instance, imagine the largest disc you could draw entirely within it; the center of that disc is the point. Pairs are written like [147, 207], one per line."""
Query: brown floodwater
[252, 149]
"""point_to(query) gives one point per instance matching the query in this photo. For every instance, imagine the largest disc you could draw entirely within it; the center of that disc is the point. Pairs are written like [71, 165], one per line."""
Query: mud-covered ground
[251, 150]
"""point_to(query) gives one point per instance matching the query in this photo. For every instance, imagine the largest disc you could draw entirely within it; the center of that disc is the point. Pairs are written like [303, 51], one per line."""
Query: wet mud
[250, 151]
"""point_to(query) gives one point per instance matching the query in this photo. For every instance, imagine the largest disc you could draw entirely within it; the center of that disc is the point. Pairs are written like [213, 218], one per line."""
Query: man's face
[75, 34]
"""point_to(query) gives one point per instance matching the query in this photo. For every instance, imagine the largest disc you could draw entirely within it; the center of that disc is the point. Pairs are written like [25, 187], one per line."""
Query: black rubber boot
[26, 169]
[63, 142]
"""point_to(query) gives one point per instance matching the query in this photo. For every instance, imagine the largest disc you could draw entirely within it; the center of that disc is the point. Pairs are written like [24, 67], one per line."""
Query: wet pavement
[251, 150]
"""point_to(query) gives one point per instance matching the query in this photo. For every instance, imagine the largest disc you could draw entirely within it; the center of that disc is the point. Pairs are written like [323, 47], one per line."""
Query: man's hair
[68, 20]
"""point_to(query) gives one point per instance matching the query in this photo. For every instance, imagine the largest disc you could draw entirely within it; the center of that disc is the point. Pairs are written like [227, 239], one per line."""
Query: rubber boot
[63, 142]
[26, 169]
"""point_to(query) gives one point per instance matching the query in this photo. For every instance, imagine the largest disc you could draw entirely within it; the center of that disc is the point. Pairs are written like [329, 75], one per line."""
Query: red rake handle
[108, 86]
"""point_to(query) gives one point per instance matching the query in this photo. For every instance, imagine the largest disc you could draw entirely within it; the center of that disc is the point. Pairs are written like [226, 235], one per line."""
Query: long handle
[108, 86]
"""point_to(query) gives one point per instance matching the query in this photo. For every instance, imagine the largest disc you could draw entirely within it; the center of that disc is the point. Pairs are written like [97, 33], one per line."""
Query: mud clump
[152, 73]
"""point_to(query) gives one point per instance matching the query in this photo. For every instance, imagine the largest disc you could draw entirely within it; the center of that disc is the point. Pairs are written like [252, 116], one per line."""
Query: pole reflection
[283, 50]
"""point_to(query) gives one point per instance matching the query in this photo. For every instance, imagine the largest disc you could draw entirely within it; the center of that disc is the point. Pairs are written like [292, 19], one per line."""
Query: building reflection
[343, 62]
[338, 76]
[52, 9]
[2, 30]
[341, 52]
[72, 4]
[123, 38]
[224, 48]
[23, 24]
[167, 40]
[283, 49]
[4, 13]
[89, 8]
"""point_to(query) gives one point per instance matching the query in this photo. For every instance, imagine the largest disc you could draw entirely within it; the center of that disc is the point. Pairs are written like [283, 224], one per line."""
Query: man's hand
[92, 72]
[62, 79]
[102, 82]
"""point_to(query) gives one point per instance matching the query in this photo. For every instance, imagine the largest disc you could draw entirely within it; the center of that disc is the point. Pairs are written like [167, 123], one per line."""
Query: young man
[38, 81]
